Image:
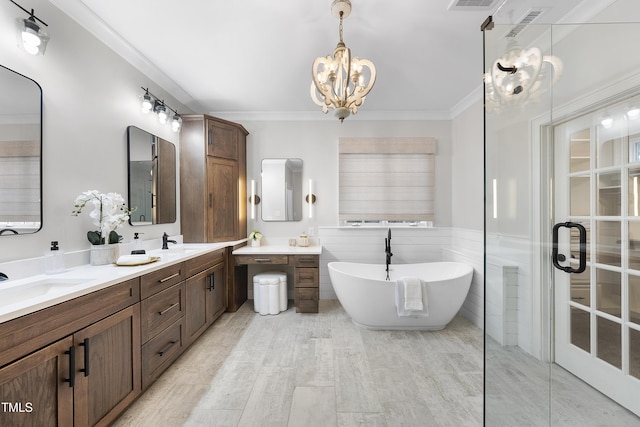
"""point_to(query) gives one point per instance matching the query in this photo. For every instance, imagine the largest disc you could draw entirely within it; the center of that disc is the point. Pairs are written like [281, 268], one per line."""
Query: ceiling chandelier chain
[342, 82]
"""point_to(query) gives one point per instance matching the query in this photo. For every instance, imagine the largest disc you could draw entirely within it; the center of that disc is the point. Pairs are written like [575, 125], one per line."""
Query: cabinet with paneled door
[206, 293]
[213, 196]
[88, 371]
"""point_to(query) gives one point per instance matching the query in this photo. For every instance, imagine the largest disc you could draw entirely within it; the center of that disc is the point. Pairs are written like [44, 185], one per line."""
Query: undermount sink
[36, 289]
[177, 249]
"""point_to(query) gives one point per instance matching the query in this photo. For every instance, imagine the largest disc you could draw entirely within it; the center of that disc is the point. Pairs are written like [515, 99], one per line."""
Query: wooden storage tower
[213, 174]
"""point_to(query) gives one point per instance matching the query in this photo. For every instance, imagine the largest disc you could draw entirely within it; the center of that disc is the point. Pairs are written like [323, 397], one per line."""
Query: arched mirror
[20, 154]
[152, 178]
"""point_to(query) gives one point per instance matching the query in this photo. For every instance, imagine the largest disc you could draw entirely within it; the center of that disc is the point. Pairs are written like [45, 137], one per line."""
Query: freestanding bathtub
[369, 299]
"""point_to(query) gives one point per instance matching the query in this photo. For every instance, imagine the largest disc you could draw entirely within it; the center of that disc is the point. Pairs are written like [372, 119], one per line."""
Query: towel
[412, 293]
[411, 297]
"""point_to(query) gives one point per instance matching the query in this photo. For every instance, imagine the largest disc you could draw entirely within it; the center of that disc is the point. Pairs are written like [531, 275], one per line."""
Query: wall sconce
[253, 199]
[151, 102]
[311, 198]
[31, 37]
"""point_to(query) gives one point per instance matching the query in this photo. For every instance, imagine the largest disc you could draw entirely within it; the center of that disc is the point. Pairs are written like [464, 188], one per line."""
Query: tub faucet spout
[387, 249]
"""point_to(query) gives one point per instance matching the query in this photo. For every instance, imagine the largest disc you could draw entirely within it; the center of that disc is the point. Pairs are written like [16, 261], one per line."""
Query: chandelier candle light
[340, 82]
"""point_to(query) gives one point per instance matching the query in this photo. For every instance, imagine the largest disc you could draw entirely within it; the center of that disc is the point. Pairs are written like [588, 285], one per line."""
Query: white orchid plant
[109, 213]
[255, 235]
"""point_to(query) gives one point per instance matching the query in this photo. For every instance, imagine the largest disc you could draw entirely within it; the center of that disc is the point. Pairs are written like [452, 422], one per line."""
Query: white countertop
[279, 250]
[23, 296]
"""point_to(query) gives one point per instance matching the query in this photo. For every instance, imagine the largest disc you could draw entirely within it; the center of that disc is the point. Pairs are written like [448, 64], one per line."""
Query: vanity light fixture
[340, 82]
[253, 199]
[311, 198]
[150, 102]
[32, 38]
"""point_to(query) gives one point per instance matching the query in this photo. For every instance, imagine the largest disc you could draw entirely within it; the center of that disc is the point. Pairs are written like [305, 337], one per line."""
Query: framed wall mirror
[20, 154]
[281, 190]
[152, 178]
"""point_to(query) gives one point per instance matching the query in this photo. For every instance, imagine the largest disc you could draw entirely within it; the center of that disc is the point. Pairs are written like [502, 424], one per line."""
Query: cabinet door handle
[85, 344]
[209, 136]
[167, 309]
[212, 282]
[72, 366]
[210, 200]
[169, 278]
[166, 348]
[262, 259]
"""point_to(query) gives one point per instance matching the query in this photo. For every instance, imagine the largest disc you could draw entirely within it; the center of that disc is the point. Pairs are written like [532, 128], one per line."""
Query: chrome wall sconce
[32, 38]
[254, 199]
[150, 102]
[310, 198]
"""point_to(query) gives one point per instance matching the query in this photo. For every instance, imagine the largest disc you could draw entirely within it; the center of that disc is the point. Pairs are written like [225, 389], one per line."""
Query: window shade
[386, 179]
[19, 181]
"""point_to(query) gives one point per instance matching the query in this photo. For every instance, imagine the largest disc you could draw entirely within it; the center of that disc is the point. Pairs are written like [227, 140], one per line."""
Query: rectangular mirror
[281, 189]
[152, 178]
[20, 154]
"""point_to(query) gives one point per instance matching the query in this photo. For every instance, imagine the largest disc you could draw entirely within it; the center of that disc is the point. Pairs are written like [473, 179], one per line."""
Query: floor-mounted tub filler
[370, 300]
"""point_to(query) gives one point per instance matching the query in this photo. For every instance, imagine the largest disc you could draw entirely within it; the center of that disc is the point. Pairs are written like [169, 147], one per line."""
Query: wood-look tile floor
[318, 370]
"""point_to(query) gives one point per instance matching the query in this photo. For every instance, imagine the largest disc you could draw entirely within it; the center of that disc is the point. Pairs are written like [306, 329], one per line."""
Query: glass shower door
[561, 346]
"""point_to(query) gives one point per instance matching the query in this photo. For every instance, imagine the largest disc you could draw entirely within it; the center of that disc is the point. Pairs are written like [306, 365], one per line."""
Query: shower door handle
[583, 248]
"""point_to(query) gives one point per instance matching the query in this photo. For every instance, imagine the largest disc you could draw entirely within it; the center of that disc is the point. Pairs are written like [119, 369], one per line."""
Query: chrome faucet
[387, 249]
[165, 241]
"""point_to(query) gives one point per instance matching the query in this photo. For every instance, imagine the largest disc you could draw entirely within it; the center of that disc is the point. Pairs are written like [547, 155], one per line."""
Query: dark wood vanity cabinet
[206, 294]
[213, 195]
[87, 376]
[307, 283]
[84, 361]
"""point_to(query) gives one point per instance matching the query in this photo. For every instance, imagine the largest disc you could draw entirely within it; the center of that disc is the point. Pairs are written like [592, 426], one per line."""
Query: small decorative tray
[133, 260]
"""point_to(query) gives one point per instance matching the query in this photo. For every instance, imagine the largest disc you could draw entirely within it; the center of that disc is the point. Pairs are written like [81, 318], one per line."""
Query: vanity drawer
[312, 261]
[160, 310]
[262, 259]
[201, 263]
[158, 353]
[306, 300]
[306, 278]
[162, 279]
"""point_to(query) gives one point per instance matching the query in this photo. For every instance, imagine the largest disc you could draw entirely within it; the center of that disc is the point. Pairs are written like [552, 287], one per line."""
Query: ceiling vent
[527, 19]
[472, 5]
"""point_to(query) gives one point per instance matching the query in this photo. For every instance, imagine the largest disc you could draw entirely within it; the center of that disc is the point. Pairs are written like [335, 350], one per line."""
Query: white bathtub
[369, 299]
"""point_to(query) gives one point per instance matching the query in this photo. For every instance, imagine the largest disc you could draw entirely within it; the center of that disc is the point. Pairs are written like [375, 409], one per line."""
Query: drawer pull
[262, 259]
[169, 278]
[168, 309]
[166, 348]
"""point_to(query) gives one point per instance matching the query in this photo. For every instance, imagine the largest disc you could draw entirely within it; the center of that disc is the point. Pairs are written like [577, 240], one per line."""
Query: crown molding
[86, 18]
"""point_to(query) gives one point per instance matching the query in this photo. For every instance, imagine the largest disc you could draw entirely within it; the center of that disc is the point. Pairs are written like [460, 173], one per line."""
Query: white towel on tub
[411, 297]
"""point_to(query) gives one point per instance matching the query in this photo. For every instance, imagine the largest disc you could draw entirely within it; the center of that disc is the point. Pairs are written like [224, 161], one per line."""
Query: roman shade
[388, 179]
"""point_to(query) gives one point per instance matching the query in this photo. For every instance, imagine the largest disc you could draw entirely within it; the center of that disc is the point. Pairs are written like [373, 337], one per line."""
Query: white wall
[90, 96]
[316, 143]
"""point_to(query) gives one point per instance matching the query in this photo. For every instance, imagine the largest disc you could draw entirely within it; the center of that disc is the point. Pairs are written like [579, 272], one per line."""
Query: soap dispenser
[54, 260]
[137, 247]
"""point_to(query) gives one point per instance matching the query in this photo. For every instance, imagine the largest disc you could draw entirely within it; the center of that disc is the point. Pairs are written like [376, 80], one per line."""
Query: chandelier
[340, 83]
[520, 76]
